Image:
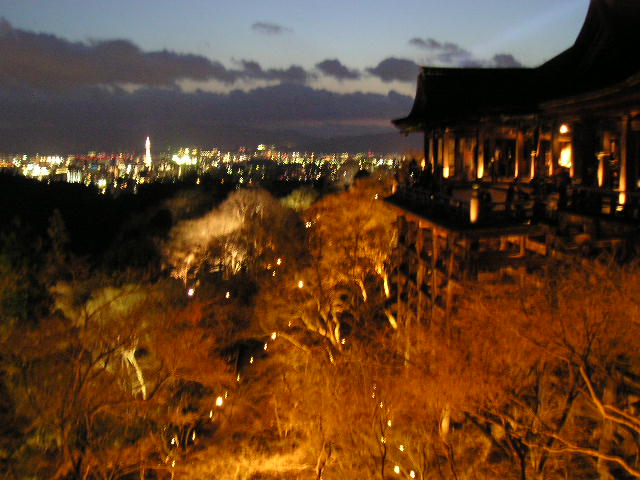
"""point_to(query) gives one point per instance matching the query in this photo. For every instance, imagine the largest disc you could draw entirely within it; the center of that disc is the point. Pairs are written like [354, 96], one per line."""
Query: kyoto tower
[147, 154]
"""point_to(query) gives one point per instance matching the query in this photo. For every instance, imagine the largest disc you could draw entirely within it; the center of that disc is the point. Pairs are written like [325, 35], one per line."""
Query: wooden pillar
[426, 146]
[449, 154]
[449, 273]
[479, 154]
[555, 150]
[434, 269]
[624, 160]
[519, 152]
[432, 156]
[420, 244]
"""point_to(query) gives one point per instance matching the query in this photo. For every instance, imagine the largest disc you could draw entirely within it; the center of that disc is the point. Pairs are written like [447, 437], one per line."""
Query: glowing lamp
[564, 129]
[474, 205]
[622, 199]
[566, 156]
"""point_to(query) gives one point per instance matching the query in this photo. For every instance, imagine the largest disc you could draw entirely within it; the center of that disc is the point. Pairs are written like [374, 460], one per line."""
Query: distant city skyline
[92, 71]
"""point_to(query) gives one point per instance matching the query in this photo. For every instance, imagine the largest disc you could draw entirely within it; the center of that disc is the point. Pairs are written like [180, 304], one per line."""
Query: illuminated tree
[341, 285]
[248, 231]
[106, 384]
[540, 373]
[301, 198]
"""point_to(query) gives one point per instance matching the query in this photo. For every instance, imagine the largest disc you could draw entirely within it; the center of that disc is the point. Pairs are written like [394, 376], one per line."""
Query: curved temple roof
[605, 52]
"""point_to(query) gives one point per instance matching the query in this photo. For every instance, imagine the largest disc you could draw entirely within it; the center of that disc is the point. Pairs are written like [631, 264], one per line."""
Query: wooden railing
[525, 205]
[452, 209]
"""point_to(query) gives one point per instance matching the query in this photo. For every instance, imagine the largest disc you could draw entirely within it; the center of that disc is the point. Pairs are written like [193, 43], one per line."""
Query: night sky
[78, 75]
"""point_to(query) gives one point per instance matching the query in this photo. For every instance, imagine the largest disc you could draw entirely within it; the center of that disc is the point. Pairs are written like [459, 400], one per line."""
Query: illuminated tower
[147, 154]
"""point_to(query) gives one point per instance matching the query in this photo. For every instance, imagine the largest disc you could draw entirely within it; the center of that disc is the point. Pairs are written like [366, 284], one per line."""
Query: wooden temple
[521, 164]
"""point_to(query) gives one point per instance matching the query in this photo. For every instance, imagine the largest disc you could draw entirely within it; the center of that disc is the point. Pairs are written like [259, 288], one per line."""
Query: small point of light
[226, 394]
[307, 225]
[193, 436]
[376, 196]
[396, 469]
[265, 346]
[564, 128]
[210, 413]
[401, 447]
[274, 336]
[173, 464]
[227, 295]
[238, 378]
[381, 404]
[219, 401]
[412, 474]
[279, 261]
[343, 341]
[383, 440]
[388, 423]
[190, 292]
[300, 284]
[251, 360]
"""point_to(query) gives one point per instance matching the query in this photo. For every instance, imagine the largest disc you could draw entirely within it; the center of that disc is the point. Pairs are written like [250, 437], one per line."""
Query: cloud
[90, 118]
[399, 69]
[448, 54]
[505, 60]
[292, 74]
[334, 68]
[268, 28]
[47, 61]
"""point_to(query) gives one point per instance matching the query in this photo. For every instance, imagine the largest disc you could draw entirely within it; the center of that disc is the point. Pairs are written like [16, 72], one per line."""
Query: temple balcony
[567, 217]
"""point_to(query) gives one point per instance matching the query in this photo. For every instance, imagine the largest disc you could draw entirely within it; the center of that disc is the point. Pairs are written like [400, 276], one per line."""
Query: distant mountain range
[55, 139]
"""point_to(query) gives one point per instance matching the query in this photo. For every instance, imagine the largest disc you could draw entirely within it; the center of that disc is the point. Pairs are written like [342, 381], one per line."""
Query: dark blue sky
[361, 50]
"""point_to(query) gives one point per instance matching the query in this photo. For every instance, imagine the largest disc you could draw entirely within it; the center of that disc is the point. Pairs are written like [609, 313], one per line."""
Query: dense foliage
[259, 341]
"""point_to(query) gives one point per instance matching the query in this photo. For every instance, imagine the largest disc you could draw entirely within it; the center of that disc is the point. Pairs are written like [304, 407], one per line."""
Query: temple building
[520, 164]
[578, 113]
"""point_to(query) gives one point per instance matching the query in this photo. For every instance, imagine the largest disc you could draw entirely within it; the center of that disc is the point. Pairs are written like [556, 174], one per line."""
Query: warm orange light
[622, 200]
[474, 210]
[564, 129]
[566, 156]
